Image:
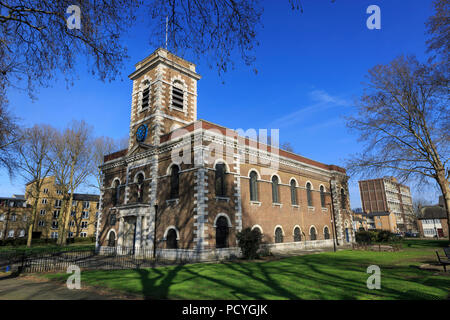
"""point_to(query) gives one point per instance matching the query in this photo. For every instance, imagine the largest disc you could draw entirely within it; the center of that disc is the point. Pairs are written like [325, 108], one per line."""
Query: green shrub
[249, 242]
[375, 236]
[365, 237]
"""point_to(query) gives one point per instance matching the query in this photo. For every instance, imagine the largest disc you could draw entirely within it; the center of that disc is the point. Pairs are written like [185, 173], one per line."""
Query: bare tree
[404, 120]
[438, 28]
[72, 161]
[287, 146]
[35, 165]
[35, 40]
[9, 136]
[101, 147]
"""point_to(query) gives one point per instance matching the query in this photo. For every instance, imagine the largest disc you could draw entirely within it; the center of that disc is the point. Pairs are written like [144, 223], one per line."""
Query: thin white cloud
[322, 102]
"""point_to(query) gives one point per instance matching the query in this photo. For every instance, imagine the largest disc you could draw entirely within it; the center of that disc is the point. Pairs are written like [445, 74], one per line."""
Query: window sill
[227, 199]
[255, 203]
[324, 209]
[277, 204]
[295, 206]
[176, 109]
[171, 201]
[311, 208]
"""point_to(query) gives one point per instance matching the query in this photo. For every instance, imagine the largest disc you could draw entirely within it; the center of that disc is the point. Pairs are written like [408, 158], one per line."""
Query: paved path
[32, 288]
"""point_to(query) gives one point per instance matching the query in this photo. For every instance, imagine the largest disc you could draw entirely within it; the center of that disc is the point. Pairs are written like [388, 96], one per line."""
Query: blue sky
[310, 69]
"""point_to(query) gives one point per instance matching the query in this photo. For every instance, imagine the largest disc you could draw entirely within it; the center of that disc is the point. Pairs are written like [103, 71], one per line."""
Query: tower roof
[166, 57]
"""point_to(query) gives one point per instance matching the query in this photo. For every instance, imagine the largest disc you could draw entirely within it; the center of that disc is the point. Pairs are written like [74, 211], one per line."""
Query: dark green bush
[375, 236]
[249, 242]
[365, 237]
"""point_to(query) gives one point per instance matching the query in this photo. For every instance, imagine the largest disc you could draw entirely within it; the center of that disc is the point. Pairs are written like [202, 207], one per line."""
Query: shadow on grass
[338, 276]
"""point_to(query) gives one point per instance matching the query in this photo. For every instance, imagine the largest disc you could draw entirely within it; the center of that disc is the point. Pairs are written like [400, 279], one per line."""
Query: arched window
[178, 95]
[253, 186]
[322, 196]
[174, 182]
[220, 179]
[312, 233]
[258, 231]
[171, 239]
[112, 239]
[278, 235]
[140, 187]
[112, 219]
[222, 233]
[309, 194]
[293, 193]
[326, 233]
[275, 190]
[343, 199]
[116, 192]
[297, 234]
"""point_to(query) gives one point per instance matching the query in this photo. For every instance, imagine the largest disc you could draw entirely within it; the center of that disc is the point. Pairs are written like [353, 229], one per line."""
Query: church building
[185, 187]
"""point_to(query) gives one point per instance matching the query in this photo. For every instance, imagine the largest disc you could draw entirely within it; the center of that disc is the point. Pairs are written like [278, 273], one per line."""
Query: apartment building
[51, 205]
[387, 195]
[14, 217]
[383, 220]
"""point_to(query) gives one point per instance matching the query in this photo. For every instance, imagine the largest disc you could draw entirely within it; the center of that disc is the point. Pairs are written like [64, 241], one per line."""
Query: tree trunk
[66, 214]
[33, 218]
[445, 188]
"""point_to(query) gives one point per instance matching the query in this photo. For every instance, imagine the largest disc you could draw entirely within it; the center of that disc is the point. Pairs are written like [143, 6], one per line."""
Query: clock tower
[164, 97]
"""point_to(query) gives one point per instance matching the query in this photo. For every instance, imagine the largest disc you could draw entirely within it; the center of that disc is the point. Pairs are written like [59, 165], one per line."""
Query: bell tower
[164, 97]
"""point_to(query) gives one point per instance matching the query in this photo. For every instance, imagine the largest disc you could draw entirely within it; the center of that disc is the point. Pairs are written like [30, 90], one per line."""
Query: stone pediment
[139, 148]
[134, 210]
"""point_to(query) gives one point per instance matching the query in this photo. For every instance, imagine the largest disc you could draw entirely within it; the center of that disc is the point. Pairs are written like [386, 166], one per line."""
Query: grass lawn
[328, 275]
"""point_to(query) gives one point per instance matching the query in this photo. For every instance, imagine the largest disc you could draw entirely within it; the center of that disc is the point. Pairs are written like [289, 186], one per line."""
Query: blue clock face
[141, 133]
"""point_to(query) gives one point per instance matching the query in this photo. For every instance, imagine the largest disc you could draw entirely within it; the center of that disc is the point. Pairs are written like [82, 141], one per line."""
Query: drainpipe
[335, 242]
[154, 232]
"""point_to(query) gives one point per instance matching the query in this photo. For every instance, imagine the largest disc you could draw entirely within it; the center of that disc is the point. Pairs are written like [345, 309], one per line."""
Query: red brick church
[185, 187]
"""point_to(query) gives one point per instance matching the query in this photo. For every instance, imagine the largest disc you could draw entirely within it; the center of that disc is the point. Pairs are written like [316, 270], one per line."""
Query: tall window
[293, 193]
[326, 233]
[309, 194]
[220, 180]
[322, 196]
[297, 234]
[116, 192]
[343, 199]
[278, 235]
[171, 239]
[312, 233]
[177, 95]
[145, 97]
[222, 233]
[140, 188]
[275, 190]
[174, 182]
[13, 217]
[253, 186]
[112, 239]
